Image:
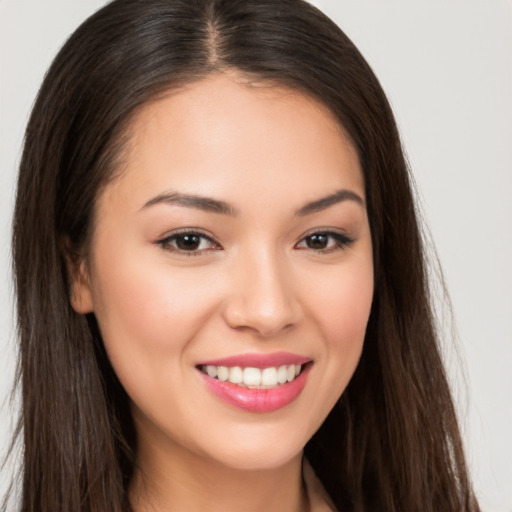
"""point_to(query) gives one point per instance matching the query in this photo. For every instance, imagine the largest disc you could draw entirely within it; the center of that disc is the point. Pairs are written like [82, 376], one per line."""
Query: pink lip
[257, 400]
[258, 360]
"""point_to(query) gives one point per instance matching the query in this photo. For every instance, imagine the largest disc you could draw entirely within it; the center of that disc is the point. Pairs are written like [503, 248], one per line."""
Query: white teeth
[254, 377]
[223, 373]
[269, 377]
[235, 375]
[211, 371]
[282, 374]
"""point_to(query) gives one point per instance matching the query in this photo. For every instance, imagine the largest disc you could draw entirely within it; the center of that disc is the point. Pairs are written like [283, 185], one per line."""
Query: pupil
[318, 241]
[188, 242]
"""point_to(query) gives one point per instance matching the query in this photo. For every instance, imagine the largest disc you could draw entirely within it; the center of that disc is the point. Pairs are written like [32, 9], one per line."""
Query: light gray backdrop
[446, 66]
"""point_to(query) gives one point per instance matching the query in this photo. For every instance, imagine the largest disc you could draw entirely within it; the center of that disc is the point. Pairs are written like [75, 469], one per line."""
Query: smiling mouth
[254, 378]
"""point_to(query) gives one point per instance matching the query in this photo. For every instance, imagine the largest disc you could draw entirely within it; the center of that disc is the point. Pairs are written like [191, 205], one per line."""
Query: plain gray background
[447, 68]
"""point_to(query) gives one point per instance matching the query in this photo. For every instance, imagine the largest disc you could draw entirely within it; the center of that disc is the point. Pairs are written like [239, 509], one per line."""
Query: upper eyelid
[165, 242]
[214, 240]
[342, 237]
[326, 231]
[188, 231]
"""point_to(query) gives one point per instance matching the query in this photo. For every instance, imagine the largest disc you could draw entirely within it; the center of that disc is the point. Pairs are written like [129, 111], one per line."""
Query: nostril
[266, 321]
[263, 298]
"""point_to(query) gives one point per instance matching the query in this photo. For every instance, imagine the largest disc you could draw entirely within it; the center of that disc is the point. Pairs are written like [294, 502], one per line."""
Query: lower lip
[258, 400]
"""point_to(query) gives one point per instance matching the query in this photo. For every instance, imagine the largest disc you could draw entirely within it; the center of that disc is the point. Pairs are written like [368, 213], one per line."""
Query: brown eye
[189, 243]
[317, 241]
[325, 241]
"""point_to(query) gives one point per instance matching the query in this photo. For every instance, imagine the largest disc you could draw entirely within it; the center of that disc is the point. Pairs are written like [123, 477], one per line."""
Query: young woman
[221, 290]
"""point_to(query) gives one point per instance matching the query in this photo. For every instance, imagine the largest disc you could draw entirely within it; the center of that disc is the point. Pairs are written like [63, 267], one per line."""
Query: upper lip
[254, 360]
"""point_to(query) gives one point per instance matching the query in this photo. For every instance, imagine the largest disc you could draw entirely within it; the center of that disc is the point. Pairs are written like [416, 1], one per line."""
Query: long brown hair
[391, 442]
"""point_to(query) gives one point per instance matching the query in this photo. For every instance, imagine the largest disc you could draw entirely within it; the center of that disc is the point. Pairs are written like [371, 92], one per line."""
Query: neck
[178, 479]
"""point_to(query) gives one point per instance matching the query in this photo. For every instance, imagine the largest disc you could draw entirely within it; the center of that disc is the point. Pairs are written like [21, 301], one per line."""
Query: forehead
[221, 136]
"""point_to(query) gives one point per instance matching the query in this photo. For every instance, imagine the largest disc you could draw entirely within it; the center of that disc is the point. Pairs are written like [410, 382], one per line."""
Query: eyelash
[166, 242]
[341, 241]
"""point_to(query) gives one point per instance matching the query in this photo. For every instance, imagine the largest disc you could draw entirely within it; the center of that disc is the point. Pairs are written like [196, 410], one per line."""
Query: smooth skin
[175, 280]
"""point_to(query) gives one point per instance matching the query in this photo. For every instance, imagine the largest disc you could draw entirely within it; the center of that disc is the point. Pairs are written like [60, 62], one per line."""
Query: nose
[262, 298]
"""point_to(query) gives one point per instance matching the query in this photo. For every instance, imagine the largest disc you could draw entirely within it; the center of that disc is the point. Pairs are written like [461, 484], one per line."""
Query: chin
[256, 451]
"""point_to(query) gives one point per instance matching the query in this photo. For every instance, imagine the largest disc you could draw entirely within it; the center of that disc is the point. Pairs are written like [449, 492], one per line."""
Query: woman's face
[232, 252]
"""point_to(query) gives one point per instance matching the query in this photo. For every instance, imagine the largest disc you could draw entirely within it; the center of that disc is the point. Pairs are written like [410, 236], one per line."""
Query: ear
[80, 290]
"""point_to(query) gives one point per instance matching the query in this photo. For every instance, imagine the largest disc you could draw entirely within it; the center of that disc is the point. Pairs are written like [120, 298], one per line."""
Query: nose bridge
[263, 297]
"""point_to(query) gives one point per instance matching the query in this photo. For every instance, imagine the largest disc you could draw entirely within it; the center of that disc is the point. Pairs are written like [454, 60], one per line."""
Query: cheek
[348, 323]
[149, 303]
[339, 304]
[342, 305]
[342, 308]
[147, 316]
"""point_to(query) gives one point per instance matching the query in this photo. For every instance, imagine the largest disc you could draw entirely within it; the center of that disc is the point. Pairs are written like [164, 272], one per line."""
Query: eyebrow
[209, 204]
[193, 201]
[330, 200]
